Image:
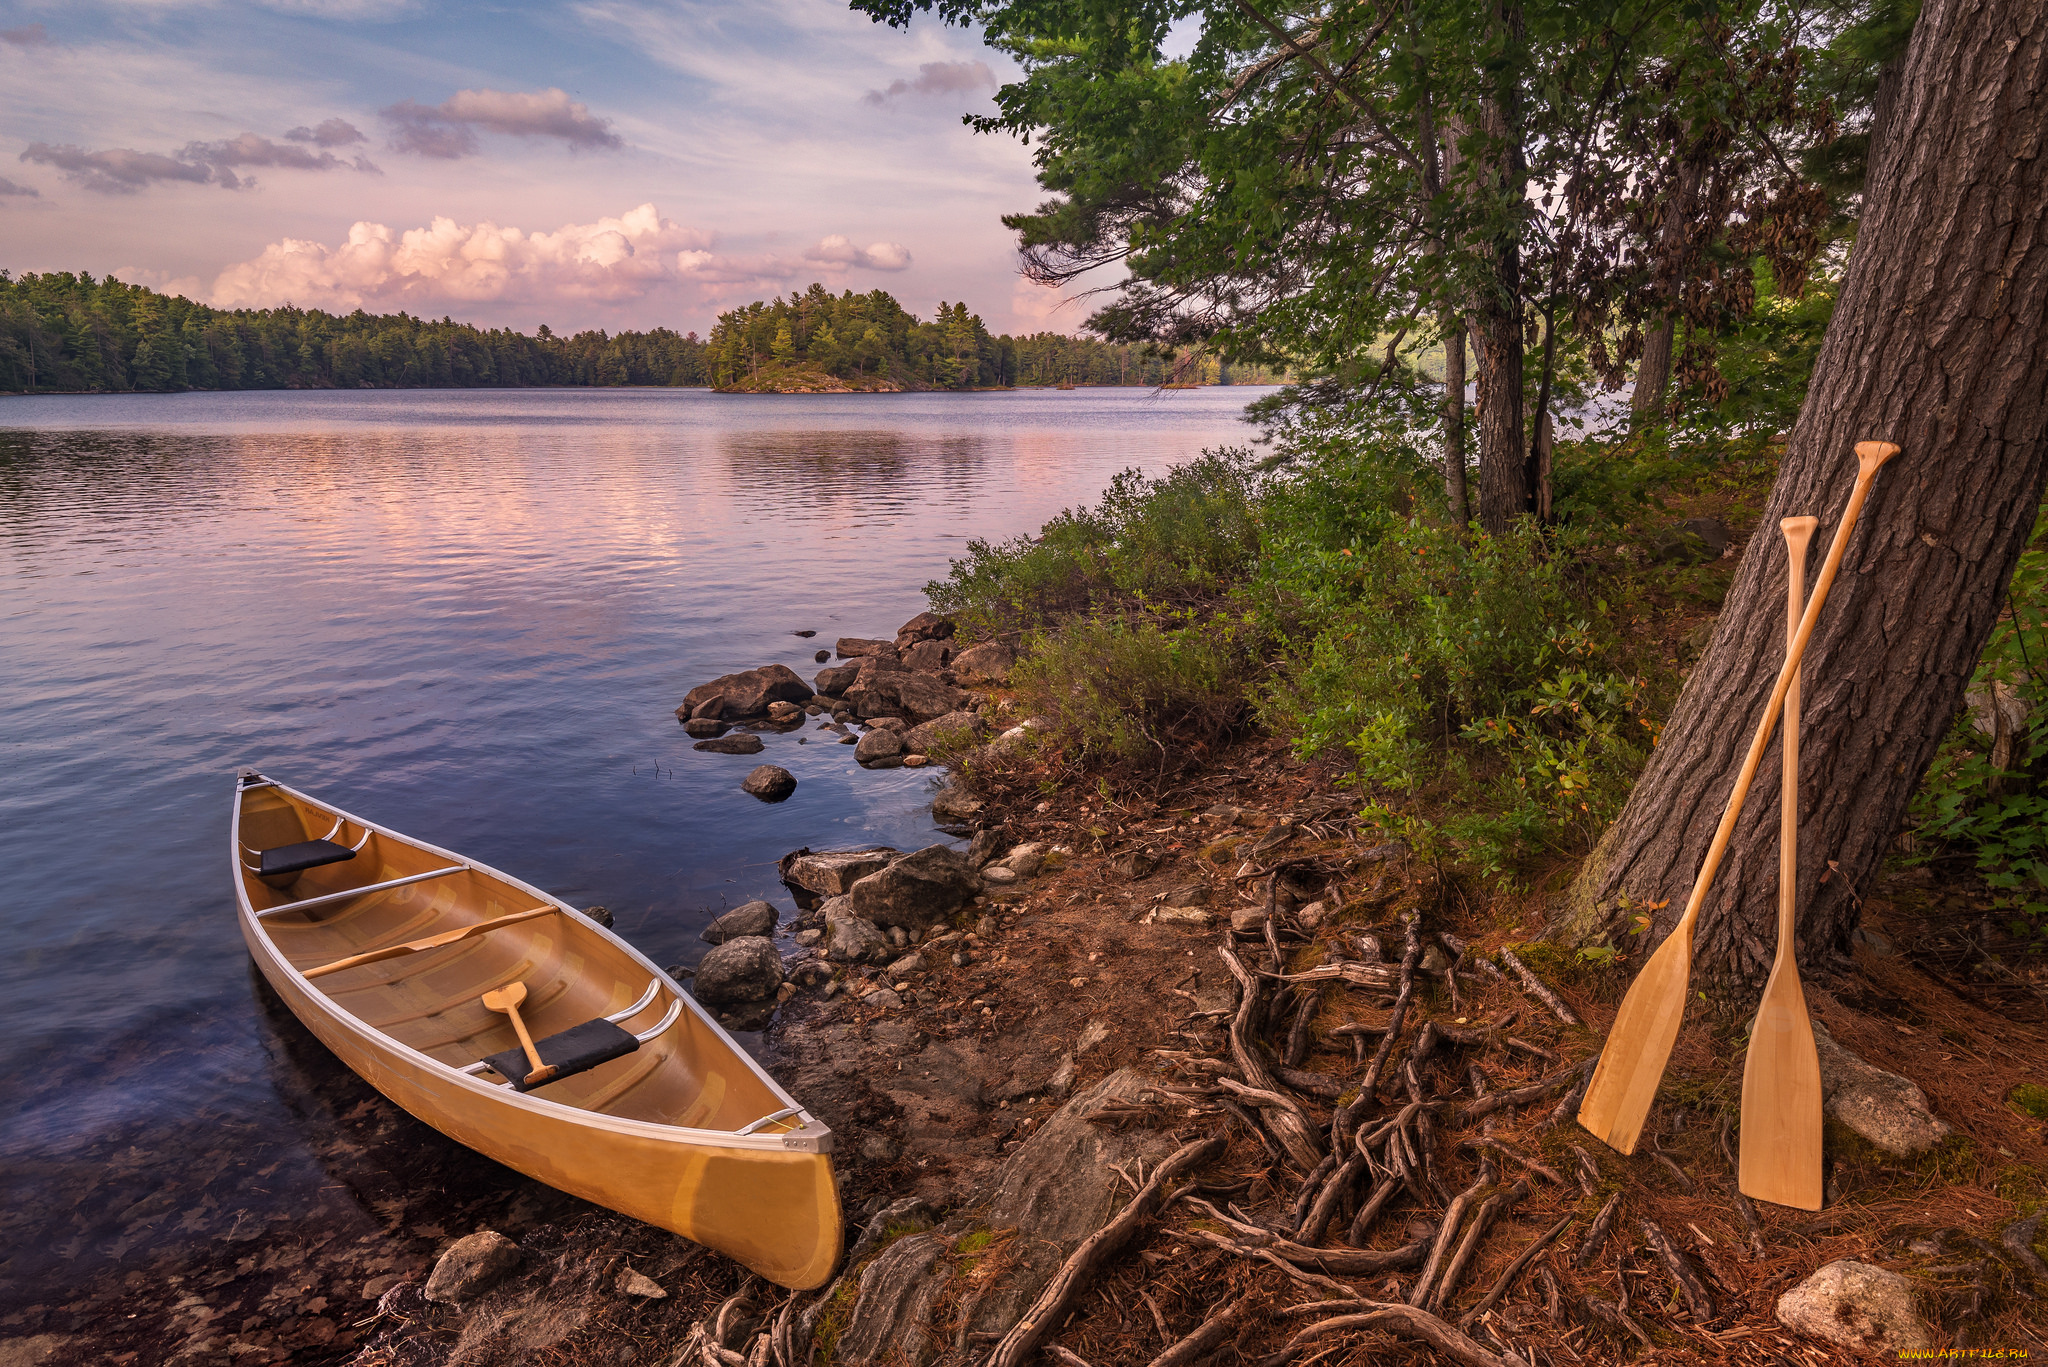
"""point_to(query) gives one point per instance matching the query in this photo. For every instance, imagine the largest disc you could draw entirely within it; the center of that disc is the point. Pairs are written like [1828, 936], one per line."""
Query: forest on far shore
[70, 333]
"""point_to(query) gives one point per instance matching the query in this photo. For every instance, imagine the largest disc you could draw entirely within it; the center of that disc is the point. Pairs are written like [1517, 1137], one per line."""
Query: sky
[588, 163]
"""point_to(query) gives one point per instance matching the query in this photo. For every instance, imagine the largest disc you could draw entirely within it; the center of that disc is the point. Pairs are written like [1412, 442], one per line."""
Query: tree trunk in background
[1503, 446]
[1653, 376]
[1939, 343]
[1454, 421]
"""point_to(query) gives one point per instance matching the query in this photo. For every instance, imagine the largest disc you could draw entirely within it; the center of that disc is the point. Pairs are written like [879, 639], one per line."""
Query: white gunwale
[811, 1137]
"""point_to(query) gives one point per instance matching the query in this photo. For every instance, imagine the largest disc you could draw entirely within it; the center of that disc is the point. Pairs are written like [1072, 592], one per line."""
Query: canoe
[643, 1104]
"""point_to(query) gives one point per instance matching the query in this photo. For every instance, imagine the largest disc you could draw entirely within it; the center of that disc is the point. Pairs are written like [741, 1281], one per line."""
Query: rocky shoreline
[1015, 1040]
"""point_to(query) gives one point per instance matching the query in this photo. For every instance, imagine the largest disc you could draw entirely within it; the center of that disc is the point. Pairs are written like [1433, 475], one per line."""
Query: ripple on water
[468, 616]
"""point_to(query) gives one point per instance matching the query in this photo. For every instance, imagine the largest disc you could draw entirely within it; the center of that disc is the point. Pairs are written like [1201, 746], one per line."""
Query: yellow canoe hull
[656, 1135]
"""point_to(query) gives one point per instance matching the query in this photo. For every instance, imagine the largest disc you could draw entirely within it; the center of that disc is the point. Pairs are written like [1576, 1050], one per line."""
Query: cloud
[837, 250]
[28, 35]
[331, 133]
[115, 170]
[448, 130]
[251, 149]
[937, 78]
[447, 262]
[8, 189]
[123, 170]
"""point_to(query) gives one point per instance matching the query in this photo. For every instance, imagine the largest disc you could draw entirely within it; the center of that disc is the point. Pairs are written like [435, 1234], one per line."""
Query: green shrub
[1177, 540]
[1135, 691]
[1477, 669]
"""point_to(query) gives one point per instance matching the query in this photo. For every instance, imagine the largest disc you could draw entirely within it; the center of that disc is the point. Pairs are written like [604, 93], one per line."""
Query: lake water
[466, 615]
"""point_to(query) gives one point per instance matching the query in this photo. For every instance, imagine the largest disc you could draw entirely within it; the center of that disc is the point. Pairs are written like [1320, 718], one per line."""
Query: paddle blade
[1639, 1045]
[1781, 1101]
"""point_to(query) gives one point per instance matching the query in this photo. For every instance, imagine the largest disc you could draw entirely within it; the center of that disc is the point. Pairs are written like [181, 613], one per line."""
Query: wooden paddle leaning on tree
[1780, 1160]
[1639, 1043]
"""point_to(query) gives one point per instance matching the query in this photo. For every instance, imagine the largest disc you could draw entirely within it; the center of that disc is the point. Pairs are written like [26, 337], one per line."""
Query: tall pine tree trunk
[1454, 420]
[1940, 343]
[1504, 491]
[1653, 376]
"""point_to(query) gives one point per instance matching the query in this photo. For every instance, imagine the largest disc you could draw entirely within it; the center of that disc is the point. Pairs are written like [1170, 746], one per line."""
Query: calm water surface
[465, 615]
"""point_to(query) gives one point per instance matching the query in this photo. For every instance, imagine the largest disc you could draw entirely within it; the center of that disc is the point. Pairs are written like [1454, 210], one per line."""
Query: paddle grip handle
[1870, 456]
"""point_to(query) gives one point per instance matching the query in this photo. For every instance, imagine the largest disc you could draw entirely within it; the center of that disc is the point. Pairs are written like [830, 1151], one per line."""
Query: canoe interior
[430, 1001]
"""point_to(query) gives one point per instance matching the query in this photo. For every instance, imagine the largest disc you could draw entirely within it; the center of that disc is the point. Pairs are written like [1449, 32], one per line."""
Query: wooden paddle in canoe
[604, 1078]
[1781, 1124]
[1639, 1042]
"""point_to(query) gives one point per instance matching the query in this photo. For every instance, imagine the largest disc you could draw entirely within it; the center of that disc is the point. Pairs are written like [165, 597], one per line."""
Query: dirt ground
[1070, 980]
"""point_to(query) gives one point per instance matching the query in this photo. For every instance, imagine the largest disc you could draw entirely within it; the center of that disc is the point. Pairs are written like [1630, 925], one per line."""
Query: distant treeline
[68, 332]
[60, 331]
[864, 338]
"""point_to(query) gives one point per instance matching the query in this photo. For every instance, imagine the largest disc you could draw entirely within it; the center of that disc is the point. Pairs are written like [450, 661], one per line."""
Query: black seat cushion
[307, 854]
[577, 1049]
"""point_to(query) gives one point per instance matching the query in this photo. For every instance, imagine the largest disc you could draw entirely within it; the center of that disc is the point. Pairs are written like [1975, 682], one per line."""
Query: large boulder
[990, 662]
[472, 1266]
[832, 873]
[746, 969]
[836, 680]
[750, 918]
[918, 890]
[879, 744]
[1857, 1306]
[861, 648]
[769, 782]
[957, 730]
[851, 938]
[888, 688]
[926, 626]
[927, 657]
[1888, 1111]
[745, 694]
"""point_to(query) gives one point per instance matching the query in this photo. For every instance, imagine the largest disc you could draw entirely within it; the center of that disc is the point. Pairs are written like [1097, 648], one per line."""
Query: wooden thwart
[1639, 1043]
[447, 937]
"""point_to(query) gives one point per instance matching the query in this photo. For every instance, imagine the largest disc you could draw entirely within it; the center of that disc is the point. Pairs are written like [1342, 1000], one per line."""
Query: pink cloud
[446, 264]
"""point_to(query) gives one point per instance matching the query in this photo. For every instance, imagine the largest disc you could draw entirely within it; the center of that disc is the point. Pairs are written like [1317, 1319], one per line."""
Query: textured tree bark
[1653, 376]
[1454, 420]
[1504, 492]
[1940, 343]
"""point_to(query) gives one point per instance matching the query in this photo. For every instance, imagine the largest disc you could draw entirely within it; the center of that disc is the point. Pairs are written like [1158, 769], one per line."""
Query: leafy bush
[1136, 691]
[1473, 670]
[1172, 541]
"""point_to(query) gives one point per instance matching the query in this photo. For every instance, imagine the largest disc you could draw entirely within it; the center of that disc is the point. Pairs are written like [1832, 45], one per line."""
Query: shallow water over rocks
[466, 615]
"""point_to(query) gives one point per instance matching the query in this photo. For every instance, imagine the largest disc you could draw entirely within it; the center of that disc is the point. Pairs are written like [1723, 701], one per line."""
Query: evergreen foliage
[60, 331]
[870, 340]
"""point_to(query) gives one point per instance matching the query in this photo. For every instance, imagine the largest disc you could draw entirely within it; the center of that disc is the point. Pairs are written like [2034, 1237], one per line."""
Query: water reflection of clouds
[473, 630]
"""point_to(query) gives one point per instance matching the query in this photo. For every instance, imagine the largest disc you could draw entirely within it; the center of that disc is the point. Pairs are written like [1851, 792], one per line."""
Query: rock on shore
[736, 697]
[832, 873]
[750, 918]
[918, 890]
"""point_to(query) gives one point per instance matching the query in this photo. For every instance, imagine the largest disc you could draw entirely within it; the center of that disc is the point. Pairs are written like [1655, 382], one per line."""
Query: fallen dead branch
[1506, 1281]
[1522, 1096]
[1597, 1235]
[1408, 1322]
[1024, 1340]
[1440, 1296]
[1698, 1299]
[1211, 1334]
[1535, 987]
